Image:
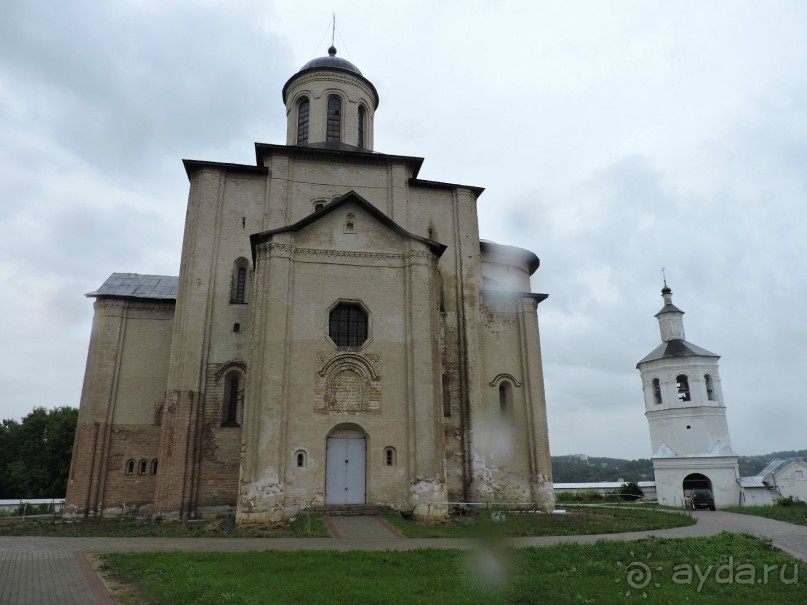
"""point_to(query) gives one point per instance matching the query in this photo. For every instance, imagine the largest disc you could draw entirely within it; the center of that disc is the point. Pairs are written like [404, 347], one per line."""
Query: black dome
[333, 62]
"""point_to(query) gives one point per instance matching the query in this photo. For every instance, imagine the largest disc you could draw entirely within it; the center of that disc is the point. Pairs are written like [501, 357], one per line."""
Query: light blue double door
[344, 473]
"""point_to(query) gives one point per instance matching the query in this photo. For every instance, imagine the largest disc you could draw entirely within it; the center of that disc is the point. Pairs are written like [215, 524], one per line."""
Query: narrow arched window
[505, 401]
[130, 465]
[446, 397]
[240, 285]
[389, 456]
[334, 126]
[232, 396]
[683, 388]
[710, 387]
[303, 109]
[154, 467]
[143, 467]
[238, 293]
[657, 391]
[300, 459]
[362, 118]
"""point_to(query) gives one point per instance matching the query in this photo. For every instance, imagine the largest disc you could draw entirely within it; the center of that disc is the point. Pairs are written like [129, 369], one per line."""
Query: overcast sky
[613, 139]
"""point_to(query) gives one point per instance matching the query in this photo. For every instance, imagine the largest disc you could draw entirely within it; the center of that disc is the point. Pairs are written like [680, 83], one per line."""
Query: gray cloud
[119, 85]
[612, 140]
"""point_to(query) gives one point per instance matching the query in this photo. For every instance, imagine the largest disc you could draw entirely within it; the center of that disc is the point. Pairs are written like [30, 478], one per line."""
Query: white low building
[780, 479]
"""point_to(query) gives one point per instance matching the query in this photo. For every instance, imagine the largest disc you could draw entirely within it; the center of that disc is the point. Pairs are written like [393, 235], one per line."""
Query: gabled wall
[300, 277]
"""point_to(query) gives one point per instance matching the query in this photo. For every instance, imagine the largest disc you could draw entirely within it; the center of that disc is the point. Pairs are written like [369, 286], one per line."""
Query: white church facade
[338, 334]
[686, 414]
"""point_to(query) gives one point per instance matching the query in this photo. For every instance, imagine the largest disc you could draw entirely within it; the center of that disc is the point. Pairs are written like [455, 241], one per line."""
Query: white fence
[12, 505]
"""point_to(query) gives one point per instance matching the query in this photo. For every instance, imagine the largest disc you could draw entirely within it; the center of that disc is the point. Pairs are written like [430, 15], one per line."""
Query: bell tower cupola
[670, 318]
[329, 103]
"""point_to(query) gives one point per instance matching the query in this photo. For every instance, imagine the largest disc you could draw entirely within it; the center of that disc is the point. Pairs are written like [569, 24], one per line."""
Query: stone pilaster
[261, 490]
[427, 461]
[539, 457]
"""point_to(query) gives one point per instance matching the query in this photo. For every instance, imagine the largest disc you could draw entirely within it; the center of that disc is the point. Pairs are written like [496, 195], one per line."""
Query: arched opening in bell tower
[695, 481]
[710, 387]
[683, 388]
[657, 391]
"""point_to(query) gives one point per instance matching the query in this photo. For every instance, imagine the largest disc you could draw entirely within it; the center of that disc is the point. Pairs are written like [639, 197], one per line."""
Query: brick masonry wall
[131, 442]
[452, 424]
[220, 455]
[218, 469]
[80, 483]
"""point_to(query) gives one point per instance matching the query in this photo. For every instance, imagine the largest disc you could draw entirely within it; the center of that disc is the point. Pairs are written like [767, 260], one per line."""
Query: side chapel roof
[136, 285]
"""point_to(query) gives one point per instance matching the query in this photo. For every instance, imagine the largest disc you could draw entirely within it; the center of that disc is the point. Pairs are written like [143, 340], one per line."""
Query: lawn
[727, 568]
[576, 521]
[583, 520]
[134, 528]
[792, 511]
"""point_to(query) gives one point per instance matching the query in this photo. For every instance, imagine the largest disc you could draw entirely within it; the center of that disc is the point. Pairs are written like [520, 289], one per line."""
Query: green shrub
[630, 491]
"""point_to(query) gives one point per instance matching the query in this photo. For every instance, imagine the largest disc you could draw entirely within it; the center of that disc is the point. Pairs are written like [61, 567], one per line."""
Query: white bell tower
[686, 414]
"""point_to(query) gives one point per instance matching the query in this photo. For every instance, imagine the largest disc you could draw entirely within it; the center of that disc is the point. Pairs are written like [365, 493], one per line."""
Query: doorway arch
[696, 481]
[345, 465]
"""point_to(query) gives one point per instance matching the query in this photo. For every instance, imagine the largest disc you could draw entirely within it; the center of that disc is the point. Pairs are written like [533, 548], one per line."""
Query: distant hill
[751, 465]
[579, 468]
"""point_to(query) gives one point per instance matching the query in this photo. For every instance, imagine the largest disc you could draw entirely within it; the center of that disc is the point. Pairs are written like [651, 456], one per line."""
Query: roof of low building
[777, 466]
[136, 285]
[755, 481]
[676, 348]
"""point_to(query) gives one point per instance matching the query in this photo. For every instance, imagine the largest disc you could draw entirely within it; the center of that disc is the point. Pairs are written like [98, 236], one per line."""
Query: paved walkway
[49, 577]
[45, 571]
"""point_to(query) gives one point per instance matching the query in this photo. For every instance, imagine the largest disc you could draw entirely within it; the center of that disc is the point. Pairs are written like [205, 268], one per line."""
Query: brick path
[44, 577]
[45, 571]
[362, 528]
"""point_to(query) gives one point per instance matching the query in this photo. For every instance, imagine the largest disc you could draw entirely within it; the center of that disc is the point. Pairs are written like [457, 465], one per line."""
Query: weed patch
[792, 511]
[576, 521]
[134, 528]
[727, 568]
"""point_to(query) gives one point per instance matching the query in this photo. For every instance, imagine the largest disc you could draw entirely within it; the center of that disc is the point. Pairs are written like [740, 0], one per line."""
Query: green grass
[576, 521]
[582, 520]
[566, 573]
[134, 528]
[794, 512]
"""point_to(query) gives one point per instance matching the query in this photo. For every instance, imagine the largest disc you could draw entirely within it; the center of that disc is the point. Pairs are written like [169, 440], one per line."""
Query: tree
[35, 453]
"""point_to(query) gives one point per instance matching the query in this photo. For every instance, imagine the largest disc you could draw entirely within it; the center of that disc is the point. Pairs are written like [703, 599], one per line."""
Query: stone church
[338, 334]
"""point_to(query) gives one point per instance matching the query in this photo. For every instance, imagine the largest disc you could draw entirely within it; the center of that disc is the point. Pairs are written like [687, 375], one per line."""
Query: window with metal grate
[347, 325]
